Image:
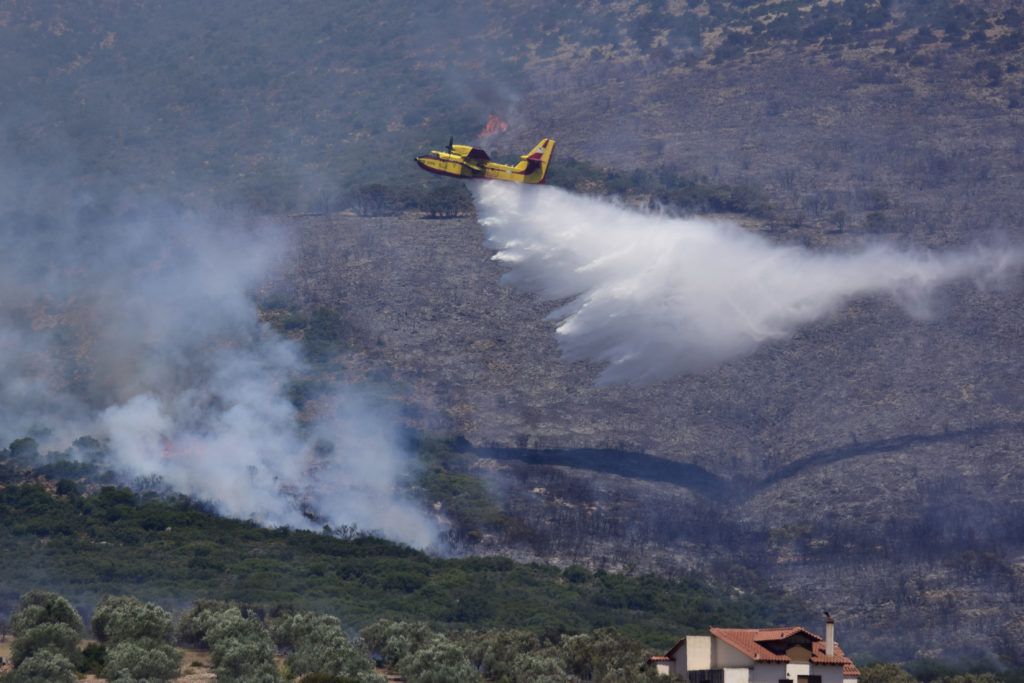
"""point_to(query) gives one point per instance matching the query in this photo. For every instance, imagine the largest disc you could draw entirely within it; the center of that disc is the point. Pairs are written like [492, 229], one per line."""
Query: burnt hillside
[871, 449]
[870, 462]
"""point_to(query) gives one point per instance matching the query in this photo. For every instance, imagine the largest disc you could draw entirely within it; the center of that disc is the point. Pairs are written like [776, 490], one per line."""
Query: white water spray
[652, 296]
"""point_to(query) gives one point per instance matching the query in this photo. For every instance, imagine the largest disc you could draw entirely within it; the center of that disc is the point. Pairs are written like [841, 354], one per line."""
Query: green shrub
[438, 661]
[144, 658]
[127, 618]
[56, 637]
[394, 640]
[45, 666]
[240, 647]
[317, 645]
[94, 655]
[44, 607]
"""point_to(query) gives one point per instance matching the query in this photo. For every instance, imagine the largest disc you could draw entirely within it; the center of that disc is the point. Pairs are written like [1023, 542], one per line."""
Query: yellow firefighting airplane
[463, 161]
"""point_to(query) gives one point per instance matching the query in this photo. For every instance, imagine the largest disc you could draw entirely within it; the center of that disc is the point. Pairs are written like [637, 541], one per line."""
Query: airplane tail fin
[534, 165]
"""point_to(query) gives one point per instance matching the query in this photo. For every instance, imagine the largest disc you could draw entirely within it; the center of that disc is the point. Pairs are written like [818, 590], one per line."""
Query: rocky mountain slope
[866, 464]
[870, 462]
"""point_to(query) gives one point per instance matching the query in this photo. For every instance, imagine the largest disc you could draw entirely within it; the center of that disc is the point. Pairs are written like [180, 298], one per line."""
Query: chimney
[830, 635]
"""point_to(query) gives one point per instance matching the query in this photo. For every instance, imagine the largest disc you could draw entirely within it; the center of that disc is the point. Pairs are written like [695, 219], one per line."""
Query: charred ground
[859, 464]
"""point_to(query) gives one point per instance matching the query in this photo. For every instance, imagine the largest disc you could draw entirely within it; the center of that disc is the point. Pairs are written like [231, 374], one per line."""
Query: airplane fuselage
[463, 161]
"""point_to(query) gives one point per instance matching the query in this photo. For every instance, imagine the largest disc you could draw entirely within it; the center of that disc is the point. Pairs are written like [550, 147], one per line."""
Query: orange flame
[494, 126]
[172, 450]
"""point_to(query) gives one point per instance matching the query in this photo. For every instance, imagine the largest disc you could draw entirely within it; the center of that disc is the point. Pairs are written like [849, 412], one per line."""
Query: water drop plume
[650, 295]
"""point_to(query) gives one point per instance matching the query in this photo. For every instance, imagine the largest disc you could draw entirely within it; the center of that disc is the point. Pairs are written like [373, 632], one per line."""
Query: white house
[759, 655]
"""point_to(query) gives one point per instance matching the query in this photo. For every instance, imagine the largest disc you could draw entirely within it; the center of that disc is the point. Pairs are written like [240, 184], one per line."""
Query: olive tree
[46, 631]
[127, 618]
[602, 655]
[885, 673]
[139, 634]
[44, 666]
[37, 607]
[532, 667]
[316, 644]
[191, 630]
[142, 659]
[240, 647]
[393, 640]
[438, 661]
[495, 653]
[58, 638]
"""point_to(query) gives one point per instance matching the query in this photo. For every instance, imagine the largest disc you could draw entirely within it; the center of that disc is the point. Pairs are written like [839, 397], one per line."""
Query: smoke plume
[651, 296]
[138, 327]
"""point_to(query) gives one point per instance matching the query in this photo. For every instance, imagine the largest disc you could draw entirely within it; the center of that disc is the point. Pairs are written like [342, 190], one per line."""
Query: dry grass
[5, 655]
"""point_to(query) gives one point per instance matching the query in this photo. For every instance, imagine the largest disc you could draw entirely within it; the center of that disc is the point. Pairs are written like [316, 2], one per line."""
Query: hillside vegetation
[172, 550]
[289, 107]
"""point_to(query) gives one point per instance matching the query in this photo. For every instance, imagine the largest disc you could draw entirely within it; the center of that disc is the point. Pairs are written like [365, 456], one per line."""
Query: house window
[808, 679]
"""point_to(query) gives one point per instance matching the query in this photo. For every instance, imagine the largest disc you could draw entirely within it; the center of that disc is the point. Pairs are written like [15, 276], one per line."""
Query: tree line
[138, 641]
[90, 538]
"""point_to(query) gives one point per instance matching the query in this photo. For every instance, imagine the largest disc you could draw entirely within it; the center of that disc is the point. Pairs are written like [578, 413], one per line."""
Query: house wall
[799, 653]
[738, 675]
[698, 654]
[794, 669]
[764, 672]
[829, 674]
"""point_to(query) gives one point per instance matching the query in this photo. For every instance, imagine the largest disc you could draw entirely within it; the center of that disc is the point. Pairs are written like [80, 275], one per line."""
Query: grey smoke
[650, 296]
[138, 326]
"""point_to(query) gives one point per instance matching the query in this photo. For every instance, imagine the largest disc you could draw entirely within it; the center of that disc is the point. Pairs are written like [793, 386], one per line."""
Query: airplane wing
[477, 154]
[471, 153]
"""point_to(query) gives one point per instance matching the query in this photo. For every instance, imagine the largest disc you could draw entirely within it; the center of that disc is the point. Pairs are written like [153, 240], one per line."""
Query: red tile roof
[745, 640]
[749, 642]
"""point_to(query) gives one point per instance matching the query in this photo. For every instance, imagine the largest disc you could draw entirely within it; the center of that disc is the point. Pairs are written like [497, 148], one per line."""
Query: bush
[575, 574]
[39, 607]
[374, 200]
[24, 451]
[529, 667]
[447, 201]
[145, 658]
[58, 638]
[94, 656]
[45, 666]
[603, 654]
[439, 661]
[245, 660]
[240, 647]
[118, 619]
[46, 629]
[326, 335]
[885, 673]
[318, 645]
[192, 627]
[394, 640]
[499, 653]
